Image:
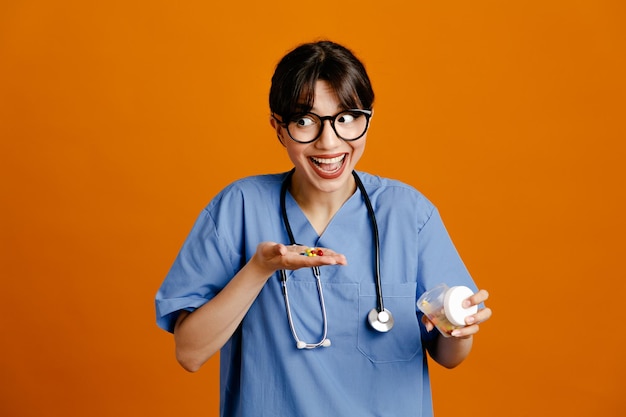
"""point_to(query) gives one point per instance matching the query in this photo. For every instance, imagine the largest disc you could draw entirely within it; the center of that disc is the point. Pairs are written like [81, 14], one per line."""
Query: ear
[278, 128]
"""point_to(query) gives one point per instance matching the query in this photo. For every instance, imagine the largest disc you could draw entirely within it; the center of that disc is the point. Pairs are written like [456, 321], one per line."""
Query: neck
[320, 206]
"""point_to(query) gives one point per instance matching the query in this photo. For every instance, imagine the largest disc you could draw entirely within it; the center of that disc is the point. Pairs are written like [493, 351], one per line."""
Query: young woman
[307, 281]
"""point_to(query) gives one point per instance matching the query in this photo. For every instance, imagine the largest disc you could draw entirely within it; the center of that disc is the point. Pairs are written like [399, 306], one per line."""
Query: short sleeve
[203, 266]
[438, 260]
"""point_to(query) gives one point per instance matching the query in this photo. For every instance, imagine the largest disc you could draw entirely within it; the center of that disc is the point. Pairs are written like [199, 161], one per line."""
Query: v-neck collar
[302, 228]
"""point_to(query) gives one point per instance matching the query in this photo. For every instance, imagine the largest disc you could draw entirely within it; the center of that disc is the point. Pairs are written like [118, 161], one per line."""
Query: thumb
[427, 323]
[270, 250]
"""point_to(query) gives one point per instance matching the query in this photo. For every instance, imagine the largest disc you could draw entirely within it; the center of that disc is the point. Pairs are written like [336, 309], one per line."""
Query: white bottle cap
[453, 305]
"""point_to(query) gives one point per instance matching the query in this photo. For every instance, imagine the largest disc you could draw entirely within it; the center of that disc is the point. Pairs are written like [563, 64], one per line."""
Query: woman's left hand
[472, 322]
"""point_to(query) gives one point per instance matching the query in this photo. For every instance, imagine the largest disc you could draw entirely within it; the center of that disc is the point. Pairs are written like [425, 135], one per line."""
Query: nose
[328, 138]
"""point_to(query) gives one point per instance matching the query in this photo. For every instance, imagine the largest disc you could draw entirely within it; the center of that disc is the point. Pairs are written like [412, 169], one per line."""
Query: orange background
[120, 120]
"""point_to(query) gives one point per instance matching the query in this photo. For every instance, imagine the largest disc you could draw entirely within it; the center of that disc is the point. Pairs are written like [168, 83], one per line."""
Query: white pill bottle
[443, 306]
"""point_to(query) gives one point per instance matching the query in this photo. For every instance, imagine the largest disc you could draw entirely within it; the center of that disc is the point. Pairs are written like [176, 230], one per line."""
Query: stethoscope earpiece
[380, 320]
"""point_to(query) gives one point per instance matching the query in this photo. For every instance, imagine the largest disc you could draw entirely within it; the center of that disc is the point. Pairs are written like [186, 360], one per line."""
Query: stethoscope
[379, 318]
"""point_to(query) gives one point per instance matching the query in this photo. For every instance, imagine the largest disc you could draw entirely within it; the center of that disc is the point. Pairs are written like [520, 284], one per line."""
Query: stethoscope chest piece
[380, 320]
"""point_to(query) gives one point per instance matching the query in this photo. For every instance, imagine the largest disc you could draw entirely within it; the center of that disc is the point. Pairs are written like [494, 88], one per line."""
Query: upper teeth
[328, 160]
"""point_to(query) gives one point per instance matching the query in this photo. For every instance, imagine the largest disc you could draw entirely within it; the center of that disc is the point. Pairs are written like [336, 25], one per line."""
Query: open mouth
[329, 165]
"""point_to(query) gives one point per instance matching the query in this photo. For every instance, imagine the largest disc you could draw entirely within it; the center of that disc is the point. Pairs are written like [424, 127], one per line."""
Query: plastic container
[443, 306]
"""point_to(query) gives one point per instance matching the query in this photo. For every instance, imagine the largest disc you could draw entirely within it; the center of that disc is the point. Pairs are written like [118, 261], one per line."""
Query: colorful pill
[312, 252]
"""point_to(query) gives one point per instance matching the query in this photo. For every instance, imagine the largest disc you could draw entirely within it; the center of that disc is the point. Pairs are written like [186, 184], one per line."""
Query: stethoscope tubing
[374, 317]
[370, 213]
[300, 344]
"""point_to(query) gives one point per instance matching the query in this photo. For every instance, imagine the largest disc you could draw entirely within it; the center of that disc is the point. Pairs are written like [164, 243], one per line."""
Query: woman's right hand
[274, 256]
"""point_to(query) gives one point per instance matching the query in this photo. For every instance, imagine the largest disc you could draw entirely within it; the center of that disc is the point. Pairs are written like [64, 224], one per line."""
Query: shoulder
[395, 192]
[249, 188]
[255, 183]
[399, 203]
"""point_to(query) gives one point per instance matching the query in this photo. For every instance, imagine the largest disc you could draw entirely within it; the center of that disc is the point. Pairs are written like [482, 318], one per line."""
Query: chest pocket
[403, 341]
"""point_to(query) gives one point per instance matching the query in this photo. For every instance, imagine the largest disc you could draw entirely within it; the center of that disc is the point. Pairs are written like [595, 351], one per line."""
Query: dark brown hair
[293, 84]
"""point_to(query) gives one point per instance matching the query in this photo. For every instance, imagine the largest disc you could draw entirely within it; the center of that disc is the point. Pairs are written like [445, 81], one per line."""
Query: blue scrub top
[364, 372]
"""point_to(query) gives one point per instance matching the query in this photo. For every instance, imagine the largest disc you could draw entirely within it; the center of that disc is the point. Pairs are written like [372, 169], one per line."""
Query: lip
[329, 174]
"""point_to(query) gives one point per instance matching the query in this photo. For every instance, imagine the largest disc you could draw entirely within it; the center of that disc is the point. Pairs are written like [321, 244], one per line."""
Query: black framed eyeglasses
[348, 125]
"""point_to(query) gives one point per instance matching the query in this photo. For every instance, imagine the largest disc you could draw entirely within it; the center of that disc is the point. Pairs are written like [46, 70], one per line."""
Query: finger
[465, 332]
[477, 298]
[313, 251]
[319, 256]
[268, 250]
[483, 315]
[280, 249]
[480, 297]
[330, 259]
[480, 317]
[295, 260]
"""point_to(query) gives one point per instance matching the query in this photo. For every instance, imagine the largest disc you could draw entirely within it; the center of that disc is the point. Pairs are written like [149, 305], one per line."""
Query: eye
[304, 121]
[347, 117]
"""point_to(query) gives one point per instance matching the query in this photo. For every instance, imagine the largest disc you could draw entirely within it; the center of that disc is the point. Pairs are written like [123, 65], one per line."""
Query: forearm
[451, 351]
[199, 335]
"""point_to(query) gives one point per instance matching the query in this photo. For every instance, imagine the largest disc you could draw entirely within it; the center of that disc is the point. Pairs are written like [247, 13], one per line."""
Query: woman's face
[326, 164]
